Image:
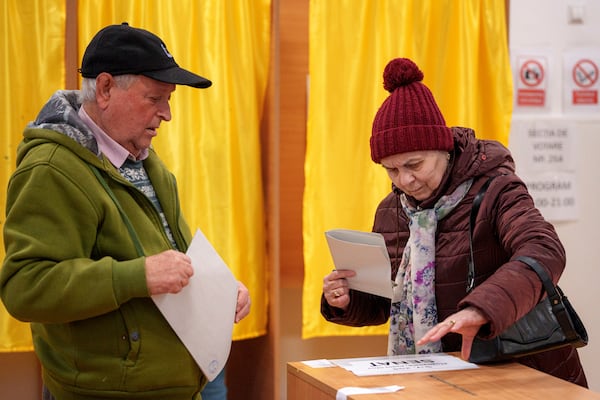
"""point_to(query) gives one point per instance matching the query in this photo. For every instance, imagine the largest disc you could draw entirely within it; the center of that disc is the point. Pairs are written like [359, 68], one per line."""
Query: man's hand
[168, 272]
[243, 302]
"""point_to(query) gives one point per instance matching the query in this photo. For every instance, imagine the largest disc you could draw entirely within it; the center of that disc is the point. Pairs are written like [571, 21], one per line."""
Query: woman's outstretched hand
[466, 322]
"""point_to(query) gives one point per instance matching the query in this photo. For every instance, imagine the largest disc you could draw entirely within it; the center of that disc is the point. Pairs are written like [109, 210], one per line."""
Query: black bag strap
[474, 211]
[555, 295]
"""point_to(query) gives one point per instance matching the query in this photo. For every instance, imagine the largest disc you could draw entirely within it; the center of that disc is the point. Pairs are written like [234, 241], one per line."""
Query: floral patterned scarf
[414, 310]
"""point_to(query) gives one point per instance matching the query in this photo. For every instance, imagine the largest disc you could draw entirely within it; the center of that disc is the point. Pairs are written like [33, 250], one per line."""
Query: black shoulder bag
[551, 324]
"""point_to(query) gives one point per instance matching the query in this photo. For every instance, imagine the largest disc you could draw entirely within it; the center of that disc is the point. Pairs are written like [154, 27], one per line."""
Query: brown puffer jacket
[508, 225]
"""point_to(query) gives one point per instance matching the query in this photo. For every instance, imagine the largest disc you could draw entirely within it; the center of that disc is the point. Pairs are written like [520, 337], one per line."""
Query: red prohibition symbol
[585, 73]
[532, 73]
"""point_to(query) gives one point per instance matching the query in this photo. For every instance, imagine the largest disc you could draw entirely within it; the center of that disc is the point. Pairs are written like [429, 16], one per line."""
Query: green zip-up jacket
[72, 270]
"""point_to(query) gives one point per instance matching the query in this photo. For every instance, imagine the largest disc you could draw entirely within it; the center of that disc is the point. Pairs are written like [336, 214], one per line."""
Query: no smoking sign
[584, 85]
[585, 73]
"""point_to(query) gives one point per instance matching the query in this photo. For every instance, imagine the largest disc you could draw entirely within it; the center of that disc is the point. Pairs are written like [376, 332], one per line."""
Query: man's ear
[104, 83]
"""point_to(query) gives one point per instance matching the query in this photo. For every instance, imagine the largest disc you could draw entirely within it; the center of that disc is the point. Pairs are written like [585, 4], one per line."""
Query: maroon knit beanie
[409, 119]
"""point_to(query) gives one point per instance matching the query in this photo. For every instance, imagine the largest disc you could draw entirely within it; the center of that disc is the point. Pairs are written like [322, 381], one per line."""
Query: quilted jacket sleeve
[519, 228]
[364, 309]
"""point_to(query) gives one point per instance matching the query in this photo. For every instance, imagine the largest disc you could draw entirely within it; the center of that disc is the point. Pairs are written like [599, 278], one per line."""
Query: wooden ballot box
[491, 382]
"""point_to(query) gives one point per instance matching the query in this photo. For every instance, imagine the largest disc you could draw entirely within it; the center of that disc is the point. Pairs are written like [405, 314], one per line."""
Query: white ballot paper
[203, 313]
[344, 392]
[366, 254]
[405, 364]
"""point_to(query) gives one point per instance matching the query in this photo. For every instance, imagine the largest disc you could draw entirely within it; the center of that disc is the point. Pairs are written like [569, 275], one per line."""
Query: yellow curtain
[461, 47]
[212, 144]
[32, 37]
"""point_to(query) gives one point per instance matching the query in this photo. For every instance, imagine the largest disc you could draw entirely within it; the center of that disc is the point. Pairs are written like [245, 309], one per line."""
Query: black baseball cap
[122, 49]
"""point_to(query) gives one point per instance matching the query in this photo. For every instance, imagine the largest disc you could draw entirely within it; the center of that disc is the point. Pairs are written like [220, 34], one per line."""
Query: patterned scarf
[135, 173]
[414, 309]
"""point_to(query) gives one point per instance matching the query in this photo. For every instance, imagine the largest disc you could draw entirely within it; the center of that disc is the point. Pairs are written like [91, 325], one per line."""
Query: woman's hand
[335, 288]
[465, 322]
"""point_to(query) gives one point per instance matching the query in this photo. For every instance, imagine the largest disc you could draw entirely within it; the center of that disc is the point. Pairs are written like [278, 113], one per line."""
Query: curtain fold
[32, 37]
[462, 49]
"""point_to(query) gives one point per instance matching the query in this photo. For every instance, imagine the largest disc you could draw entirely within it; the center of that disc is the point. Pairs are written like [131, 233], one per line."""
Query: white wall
[545, 23]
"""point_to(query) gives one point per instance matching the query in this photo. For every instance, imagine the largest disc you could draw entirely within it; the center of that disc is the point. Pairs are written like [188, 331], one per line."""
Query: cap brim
[178, 76]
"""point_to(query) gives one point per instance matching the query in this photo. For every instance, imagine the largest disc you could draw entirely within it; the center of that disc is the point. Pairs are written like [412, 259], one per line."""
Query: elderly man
[94, 228]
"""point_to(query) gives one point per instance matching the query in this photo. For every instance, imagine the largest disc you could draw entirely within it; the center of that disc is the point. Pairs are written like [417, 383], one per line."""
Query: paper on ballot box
[403, 364]
[203, 313]
[366, 254]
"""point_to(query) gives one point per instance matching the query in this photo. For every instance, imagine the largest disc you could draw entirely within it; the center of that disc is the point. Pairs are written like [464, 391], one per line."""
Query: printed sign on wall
[531, 88]
[530, 73]
[581, 85]
[544, 151]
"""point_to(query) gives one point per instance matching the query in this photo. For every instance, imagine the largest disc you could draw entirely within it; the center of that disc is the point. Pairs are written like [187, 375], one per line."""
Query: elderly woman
[436, 171]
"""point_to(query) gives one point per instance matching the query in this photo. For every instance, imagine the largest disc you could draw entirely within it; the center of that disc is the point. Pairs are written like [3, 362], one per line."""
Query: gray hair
[88, 86]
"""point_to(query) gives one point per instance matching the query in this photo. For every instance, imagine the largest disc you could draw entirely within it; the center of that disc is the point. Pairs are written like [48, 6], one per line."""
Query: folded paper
[344, 392]
[366, 254]
[203, 313]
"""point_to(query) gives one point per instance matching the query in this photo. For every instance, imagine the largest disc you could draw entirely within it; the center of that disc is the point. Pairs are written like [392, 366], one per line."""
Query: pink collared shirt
[115, 153]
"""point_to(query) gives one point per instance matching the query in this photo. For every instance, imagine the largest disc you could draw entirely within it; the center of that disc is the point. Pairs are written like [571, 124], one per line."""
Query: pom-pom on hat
[409, 119]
